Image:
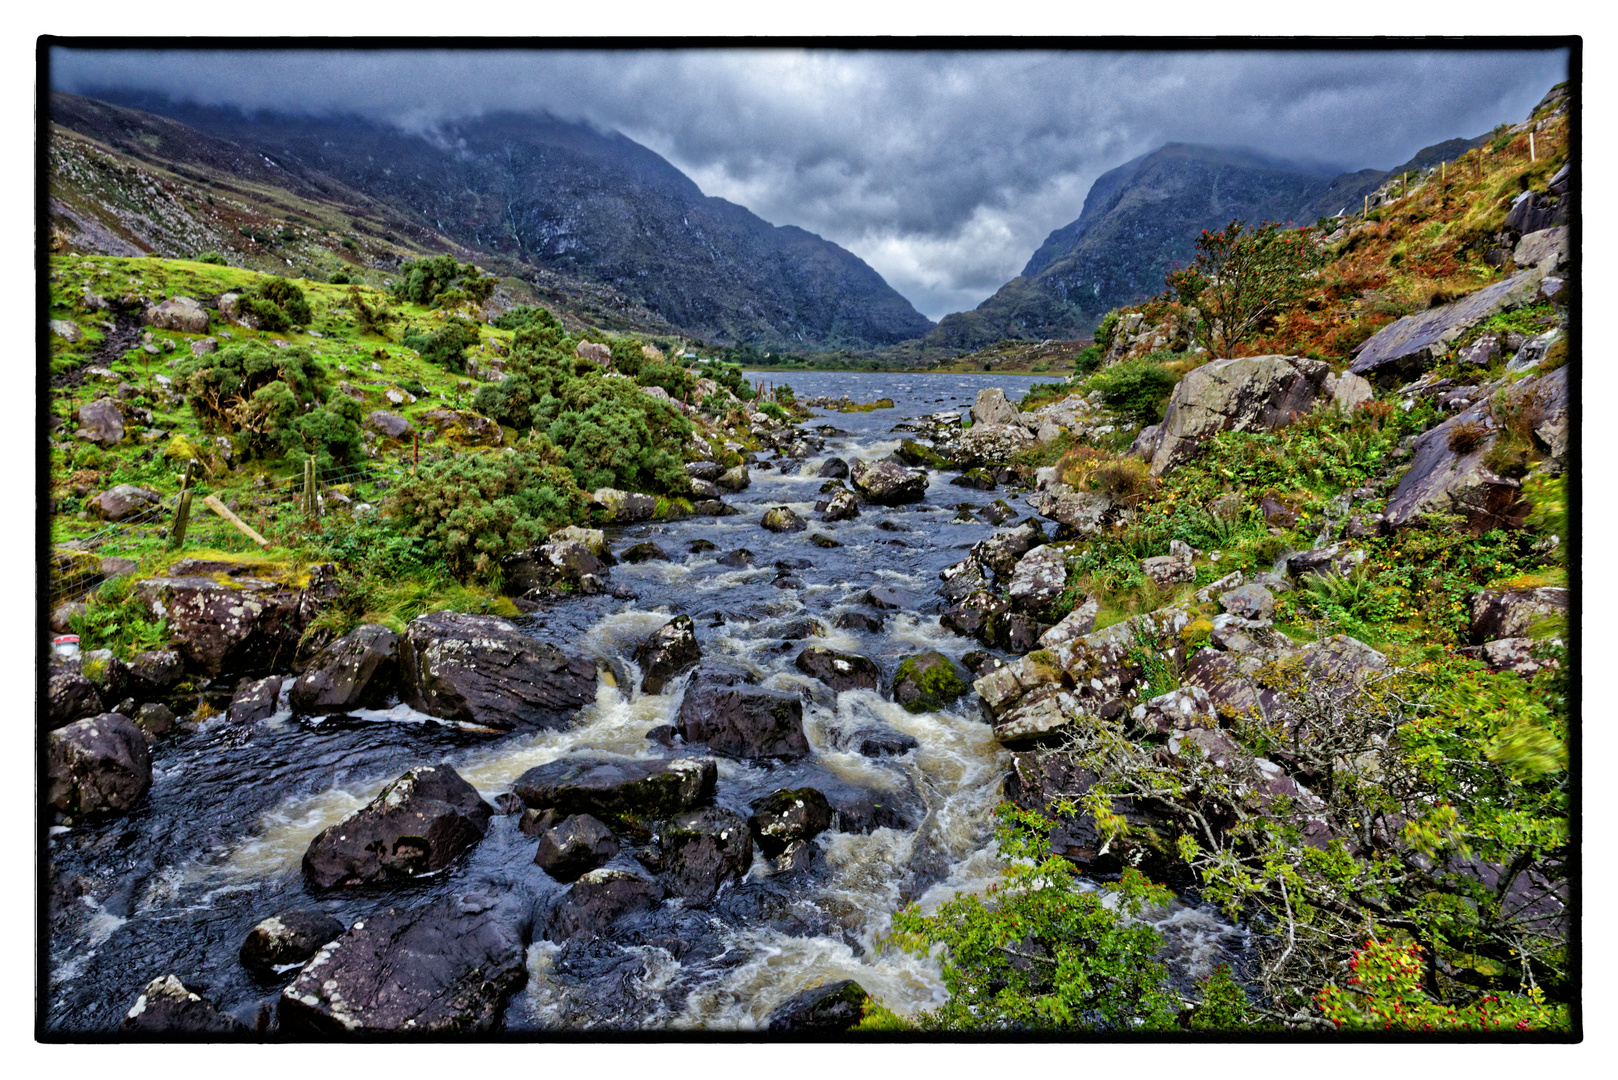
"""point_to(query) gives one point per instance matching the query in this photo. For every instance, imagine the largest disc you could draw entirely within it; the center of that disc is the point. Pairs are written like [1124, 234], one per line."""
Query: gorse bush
[1139, 389]
[612, 435]
[525, 316]
[440, 281]
[221, 386]
[275, 304]
[445, 346]
[475, 509]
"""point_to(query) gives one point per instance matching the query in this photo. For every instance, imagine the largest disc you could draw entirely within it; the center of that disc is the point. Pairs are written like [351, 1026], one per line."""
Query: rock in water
[836, 1006]
[835, 468]
[992, 407]
[782, 519]
[888, 484]
[358, 670]
[703, 849]
[737, 719]
[616, 790]
[223, 620]
[165, 1006]
[668, 653]
[449, 968]
[418, 824]
[98, 767]
[840, 671]
[788, 817]
[574, 847]
[599, 899]
[482, 671]
[840, 507]
[927, 682]
[646, 551]
[255, 701]
[291, 937]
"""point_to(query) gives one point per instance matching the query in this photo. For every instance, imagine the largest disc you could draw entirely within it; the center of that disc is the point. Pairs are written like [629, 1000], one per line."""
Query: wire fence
[80, 566]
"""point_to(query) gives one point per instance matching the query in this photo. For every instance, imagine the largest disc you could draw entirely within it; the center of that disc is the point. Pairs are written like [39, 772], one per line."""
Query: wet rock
[734, 718]
[859, 620]
[822, 541]
[123, 501]
[155, 720]
[448, 968]
[885, 599]
[735, 479]
[482, 671]
[670, 652]
[70, 696]
[917, 456]
[97, 767]
[992, 407]
[703, 849]
[741, 557]
[574, 847]
[1001, 551]
[697, 547]
[153, 672]
[706, 489]
[1250, 393]
[977, 615]
[834, 1007]
[704, 470]
[840, 671]
[566, 564]
[624, 507]
[980, 663]
[787, 581]
[962, 580]
[1038, 579]
[927, 682]
[616, 791]
[166, 1007]
[787, 819]
[782, 519]
[976, 479]
[291, 937]
[877, 740]
[1168, 569]
[230, 622]
[416, 825]
[1253, 602]
[888, 484]
[594, 540]
[712, 508]
[645, 551]
[1515, 613]
[599, 899]
[793, 563]
[997, 513]
[842, 506]
[359, 670]
[662, 735]
[1075, 624]
[255, 700]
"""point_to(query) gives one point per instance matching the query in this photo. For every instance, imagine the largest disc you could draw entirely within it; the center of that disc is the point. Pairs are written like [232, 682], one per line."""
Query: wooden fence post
[212, 503]
[182, 512]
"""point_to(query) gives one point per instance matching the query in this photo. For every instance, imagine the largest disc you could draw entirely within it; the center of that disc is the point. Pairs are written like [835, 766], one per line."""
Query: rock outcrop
[482, 672]
[1249, 393]
[97, 767]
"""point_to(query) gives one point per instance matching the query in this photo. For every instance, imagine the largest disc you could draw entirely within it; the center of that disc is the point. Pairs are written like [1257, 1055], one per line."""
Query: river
[217, 844]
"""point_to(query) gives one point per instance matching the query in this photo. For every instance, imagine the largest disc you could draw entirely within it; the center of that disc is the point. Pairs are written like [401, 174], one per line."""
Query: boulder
[1001, 551]
[481, 671]
[876, 740]
[594, 540]
[574, 847]
[599, 899]
[739, 558]
[291, 937]
[418, 824]
[1340, 660]
[181, 313]
[123, 501]
[97, 767]
[978, 479]
[888, 484]
[860, 620]
[155, 720]
[624, 507]
[703, 849]
[1168, 569]
[992, 407]
[1249, 393]
[671, 651]
[101, 422]
[704, 470]
[840, 507]
[962, 580]
[594, 351]
[1347, 391]
[70, 696]
[1075, 624]
[926, 682]
[840, 671]
[991, 444]
[224, 621]
[1178, 710]
[151, 673]
[735, 479]
[1253, 602]
[1515, 613]
[885, 599]
[558, 564]
[1083, 513]
[618, 791]
[255, 700]
[834, 467]
[834, 1007]
[722, 709]
[1415, 342]
[1546, 249]
[445, 969]
[645, 551]
[359, 670]
[782, 519]
[1038, 579]
[388, 424]
[204, 346]
[979, 615]
[166, 1007]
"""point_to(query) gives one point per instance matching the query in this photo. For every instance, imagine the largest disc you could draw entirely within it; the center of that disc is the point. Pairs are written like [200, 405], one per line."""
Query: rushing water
[175, 886]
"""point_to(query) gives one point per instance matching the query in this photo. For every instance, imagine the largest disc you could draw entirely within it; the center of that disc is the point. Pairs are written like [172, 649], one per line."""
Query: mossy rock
[927, 681]
[914, 454]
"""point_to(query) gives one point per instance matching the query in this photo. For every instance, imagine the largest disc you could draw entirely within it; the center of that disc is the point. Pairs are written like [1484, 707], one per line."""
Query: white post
[1531, 156]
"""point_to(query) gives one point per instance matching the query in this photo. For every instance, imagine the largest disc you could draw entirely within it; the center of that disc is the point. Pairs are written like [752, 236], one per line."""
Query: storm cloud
[943, 170]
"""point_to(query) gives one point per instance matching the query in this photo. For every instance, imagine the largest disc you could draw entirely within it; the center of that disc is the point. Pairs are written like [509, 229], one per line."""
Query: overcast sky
[943, 170]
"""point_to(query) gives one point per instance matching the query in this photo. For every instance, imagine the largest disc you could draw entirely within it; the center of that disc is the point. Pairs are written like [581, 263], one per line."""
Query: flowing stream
[175, 886]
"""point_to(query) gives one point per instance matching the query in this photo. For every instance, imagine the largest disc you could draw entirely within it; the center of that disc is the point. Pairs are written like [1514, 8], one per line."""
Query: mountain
[568, 198]
[1142, 218]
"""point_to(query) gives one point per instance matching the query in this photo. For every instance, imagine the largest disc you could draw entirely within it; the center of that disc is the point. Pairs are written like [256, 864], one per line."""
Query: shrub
[477, 508]
[440, 281]
[372, 318]
[1385, 993]
[671, 377]
[612, 435]
[277, 304]
[1088, 360]
[330, 434]
[222, 386]
[1242, 278]
[525, 316]
[627, 357]
[211, 257]
[1139, 388]
[340, 277]
[446, 346]
[510, 402]
[774, 412]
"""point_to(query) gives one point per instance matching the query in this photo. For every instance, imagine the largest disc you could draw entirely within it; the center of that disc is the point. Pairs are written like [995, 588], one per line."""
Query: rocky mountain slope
[562, 197]
[1141, 218]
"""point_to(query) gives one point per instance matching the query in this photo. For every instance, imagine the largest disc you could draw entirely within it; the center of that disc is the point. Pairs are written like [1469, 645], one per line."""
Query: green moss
[931, 678]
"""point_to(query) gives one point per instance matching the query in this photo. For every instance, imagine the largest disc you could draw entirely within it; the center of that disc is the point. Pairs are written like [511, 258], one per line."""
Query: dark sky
[943, 170]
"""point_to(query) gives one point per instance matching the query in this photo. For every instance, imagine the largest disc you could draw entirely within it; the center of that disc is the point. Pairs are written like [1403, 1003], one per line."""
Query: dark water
[175, 886]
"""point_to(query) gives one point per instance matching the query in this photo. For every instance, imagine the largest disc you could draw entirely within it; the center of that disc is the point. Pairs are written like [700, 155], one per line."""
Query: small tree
[1242, 278]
